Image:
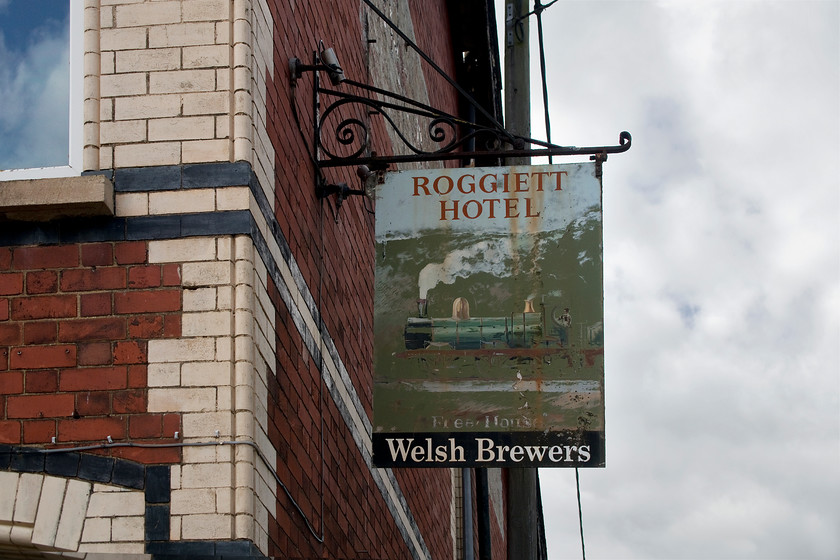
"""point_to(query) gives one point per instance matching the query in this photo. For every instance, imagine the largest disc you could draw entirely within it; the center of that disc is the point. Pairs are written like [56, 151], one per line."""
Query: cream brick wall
[171, 82]
[182, 201]
[161, 62]
[215, 376]
[261, 329]
[167, 65]
[250, 130]
[193, 375]
[114, 522]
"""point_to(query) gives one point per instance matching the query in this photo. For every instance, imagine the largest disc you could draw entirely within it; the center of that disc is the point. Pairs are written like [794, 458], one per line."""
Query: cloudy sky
[722, 284]
[722, 267]
[34, 78]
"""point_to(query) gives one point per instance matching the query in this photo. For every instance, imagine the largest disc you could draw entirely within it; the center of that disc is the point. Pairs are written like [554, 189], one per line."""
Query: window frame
[76, 106]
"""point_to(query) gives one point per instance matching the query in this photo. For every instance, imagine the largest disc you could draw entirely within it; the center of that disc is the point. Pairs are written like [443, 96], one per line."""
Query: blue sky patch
[34, 83]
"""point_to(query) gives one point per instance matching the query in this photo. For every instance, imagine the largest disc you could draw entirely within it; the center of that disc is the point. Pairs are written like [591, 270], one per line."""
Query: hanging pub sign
[488, 318]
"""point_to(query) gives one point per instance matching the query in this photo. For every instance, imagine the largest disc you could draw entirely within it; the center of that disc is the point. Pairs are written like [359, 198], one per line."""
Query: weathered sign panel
[488, 318]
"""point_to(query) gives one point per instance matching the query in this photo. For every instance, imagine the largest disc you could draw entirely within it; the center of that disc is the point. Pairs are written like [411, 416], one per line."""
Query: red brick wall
[342, 250]
[337, 262]
[301, 413]
[75, 321]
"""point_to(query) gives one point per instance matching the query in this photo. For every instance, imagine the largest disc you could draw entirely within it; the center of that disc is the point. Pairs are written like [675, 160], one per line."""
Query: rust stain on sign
[488, 296]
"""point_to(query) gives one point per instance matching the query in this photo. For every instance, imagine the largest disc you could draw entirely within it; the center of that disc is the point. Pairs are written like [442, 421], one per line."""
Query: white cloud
[722, 275]
[34, 86]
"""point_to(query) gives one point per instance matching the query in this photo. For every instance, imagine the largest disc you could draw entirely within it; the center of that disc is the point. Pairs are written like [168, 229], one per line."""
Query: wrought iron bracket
[341, 189]
[342, 131]
[341, 192]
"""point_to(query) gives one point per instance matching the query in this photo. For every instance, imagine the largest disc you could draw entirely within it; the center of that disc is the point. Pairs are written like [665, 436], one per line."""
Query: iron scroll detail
[343, 137]
[450, 135]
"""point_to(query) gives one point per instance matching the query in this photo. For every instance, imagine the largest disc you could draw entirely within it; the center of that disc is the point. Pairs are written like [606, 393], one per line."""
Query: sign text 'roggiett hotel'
[470, 196]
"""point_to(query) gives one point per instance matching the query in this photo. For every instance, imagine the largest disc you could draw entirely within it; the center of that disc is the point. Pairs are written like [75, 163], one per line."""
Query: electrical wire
[321, 341]
[490, 118]
[580, 513]
[539, 8]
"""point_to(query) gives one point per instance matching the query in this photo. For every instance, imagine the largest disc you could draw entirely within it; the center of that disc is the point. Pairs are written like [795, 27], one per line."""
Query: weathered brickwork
[335, 256]
[75, 328]
[335, 260]
[431, 15]
[218, 328]
[330, 481]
